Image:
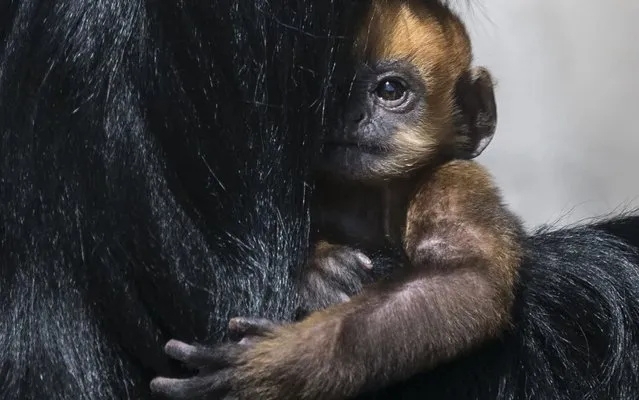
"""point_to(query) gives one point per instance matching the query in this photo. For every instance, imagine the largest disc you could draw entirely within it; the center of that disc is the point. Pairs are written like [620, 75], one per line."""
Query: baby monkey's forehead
[411, 30]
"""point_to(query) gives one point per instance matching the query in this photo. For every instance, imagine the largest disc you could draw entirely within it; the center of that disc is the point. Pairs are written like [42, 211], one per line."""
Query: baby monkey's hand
[224, 371]
[333, 275]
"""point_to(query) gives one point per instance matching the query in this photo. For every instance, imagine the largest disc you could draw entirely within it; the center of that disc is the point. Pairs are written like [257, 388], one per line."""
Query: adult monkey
[152, 165]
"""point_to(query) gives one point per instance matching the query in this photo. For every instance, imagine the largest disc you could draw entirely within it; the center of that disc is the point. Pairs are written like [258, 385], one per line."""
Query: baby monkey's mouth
[331, 145]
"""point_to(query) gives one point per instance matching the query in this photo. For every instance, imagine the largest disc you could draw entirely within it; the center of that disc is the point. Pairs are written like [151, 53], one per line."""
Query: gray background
[566, 147]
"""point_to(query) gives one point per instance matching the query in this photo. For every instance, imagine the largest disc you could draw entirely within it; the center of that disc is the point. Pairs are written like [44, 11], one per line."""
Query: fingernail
[344, 297]
[234, 324]
[364, 260]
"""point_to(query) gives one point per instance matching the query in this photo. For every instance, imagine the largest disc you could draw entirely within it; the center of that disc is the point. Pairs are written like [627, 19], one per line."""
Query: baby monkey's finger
[240, 327]
[196, 387]
[198, 357]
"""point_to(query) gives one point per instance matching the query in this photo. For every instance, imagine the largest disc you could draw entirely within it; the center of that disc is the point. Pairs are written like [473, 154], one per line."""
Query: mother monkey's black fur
[152, 165]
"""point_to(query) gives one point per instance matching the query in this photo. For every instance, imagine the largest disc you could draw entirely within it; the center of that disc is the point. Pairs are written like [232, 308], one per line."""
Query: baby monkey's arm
[456, 292]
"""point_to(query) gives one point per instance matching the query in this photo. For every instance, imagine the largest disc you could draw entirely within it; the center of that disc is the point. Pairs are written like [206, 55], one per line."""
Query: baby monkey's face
[414, 99]
[385, 98]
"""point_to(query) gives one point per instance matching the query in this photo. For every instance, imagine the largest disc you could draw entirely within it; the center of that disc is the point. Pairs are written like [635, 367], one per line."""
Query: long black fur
[153, 158]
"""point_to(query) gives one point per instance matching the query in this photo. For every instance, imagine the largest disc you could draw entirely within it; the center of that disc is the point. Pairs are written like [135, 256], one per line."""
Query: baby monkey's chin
[351, 162]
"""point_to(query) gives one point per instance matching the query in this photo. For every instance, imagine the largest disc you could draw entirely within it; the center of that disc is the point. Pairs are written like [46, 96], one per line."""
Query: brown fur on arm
[457, 214]
[383, 336]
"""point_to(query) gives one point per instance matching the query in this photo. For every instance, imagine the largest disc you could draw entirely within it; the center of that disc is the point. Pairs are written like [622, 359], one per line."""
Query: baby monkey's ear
[476, 113]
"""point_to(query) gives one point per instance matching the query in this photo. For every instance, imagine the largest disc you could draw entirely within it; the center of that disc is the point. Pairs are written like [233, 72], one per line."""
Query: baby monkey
[398, 173]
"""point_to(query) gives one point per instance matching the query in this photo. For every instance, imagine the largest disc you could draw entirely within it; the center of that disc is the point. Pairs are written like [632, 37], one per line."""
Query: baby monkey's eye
[390, 90]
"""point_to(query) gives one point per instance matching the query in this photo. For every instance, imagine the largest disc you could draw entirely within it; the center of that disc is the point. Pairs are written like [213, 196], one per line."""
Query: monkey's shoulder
[454, 184]
[456, 193]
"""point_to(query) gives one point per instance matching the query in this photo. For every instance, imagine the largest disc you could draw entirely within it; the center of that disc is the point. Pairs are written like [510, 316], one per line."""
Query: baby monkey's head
[415, 98]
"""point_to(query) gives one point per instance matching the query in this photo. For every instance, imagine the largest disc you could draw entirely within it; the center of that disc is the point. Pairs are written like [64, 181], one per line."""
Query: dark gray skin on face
[384, 98]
